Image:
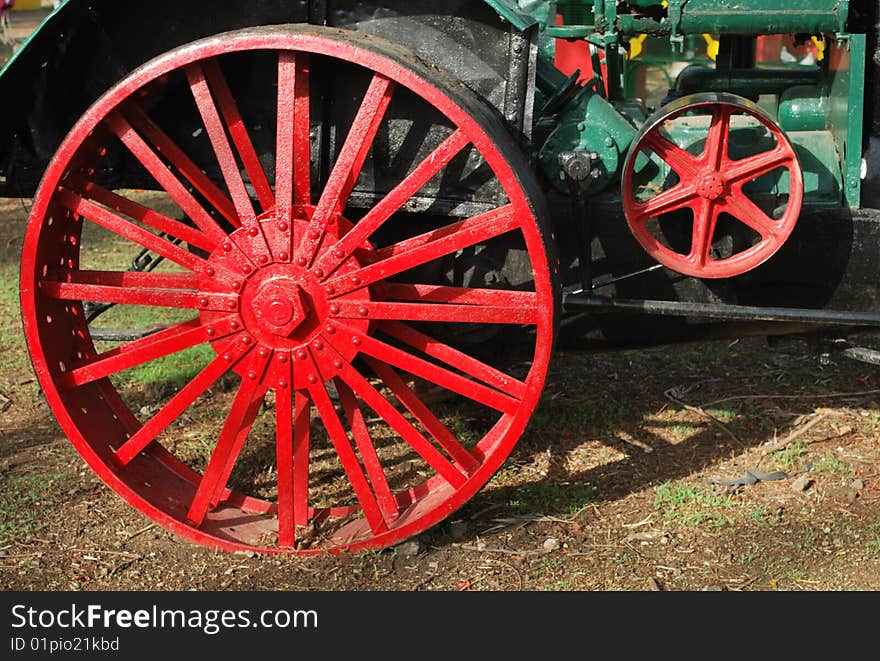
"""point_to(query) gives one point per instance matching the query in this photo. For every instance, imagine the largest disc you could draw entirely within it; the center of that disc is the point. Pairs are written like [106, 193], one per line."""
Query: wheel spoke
[220, 142]
[748, 169]
[177, 405]
[158, 345]
[747, 212]
[685, 164]
[284, 458]
[347, 458]
[366, 448]
[461, 295]
[118, 288]
[142, 214]
[294, 151]
[705, 220]
[391, 203]
[435, 374]
[715, 152]
[128, 230]
[439, 312]
[302, 414]
[165, 178]
[423, 414]
[237, 129]
[349, 163]
[674, 199]
[456, 359]
[229, 446]
[430, 246]
[181, 162]
[394, 419]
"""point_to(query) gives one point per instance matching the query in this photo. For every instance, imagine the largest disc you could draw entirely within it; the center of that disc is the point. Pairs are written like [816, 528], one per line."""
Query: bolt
[210, 271]
[246, 339]
[582, 127]
[253, 231]
[203, 302]
[334, 309]
[338, 253]
[357, 341]
[237, 285]
[283, 256]
[263, 259]
[102, 151]
[301, 354]
[313, 378]
[227, 357]
[252, 375]
[330, 329]
[282, 226]
[211, 332]
[609, 141]
[318, 345]
[355, 280]
[246, 269]
[363, 311]
[337, 364]
[331, 290]
[234, 325]
[314, 235]
[264, 353]
[282, 384]
[302, 261]
[319, 273]
[232, 305]
[227, 247]
[282, 357]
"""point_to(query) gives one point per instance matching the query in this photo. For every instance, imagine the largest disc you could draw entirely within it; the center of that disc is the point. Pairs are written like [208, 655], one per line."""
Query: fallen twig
[140, 532]
[775, 446]
[833, 395]
[488, 549]
[671, 396]
[630, 440]
[121, 554]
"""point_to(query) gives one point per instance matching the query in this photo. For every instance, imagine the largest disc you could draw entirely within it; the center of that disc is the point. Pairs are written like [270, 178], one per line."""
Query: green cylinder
[803, 108]
[742, 17]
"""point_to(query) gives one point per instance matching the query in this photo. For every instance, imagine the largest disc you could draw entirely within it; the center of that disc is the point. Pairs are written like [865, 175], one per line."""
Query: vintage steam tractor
[296, 269]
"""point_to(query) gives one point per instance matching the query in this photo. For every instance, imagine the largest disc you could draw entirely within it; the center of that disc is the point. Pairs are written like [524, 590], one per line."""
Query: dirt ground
[611, 488]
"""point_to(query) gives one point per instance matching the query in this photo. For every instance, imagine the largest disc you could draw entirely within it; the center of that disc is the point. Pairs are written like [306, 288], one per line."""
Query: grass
[20, 502]
[692, 506]
[833, 465]
[790, 458]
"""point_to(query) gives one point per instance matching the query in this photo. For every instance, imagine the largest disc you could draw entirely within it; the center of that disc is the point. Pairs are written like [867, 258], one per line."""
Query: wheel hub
[711, 185]
[283, 305]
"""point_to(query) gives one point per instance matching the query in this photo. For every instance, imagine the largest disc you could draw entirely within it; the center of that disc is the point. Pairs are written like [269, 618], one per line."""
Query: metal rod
[591, 302]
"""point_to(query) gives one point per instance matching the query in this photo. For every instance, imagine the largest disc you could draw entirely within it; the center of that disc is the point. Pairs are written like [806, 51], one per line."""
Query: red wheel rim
[290, 297]
[710, 185]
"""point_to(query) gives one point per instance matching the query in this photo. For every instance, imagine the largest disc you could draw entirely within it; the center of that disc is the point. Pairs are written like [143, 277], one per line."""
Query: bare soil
[611, 488]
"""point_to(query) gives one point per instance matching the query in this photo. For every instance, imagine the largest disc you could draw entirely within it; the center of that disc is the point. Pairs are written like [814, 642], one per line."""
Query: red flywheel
[711, 188]
[302, 388]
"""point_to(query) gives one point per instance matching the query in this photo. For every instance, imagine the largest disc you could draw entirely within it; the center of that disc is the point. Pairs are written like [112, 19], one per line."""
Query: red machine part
[710, 185]
[293, 299]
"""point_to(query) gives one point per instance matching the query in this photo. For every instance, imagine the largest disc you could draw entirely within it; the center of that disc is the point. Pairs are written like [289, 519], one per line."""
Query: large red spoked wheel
[301, 335]
[711, 191]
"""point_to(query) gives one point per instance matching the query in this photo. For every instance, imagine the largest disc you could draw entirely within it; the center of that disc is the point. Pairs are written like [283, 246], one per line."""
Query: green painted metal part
[590, 124]
[846, 96]
[748, 17]
[803, 108]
